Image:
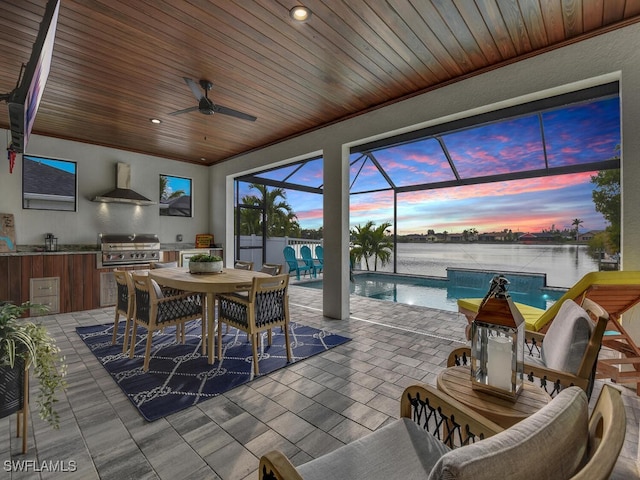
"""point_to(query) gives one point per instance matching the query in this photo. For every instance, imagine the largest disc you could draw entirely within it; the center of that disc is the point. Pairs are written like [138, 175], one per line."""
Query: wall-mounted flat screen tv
[24, 100]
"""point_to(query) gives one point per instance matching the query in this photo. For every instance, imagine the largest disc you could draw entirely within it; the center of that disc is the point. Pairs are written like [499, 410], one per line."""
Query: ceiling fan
[206, 106]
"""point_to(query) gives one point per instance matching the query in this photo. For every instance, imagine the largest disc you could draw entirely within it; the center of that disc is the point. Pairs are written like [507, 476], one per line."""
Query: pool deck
[306, 410]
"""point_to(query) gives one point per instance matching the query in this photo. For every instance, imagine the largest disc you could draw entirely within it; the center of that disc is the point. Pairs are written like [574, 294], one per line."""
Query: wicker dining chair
[242, 265]
[124, 306]
[266, 306]
[271, 268]
[154, 311]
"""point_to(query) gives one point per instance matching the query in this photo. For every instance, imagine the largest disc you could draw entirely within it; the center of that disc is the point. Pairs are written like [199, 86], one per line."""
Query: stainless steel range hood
[123, 193]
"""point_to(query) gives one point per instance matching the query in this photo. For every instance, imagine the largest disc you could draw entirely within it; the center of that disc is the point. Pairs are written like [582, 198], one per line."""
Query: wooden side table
[456, 382]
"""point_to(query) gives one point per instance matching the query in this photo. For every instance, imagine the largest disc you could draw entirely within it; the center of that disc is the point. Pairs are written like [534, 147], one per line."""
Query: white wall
[608, 57]
[96, 170]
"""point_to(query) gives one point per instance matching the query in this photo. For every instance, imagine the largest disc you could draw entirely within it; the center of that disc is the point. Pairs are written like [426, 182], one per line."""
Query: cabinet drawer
[45, 291]
[51, 302]
[44, 286]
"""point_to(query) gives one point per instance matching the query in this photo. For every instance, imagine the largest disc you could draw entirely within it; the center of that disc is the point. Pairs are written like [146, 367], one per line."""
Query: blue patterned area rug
[180, 377]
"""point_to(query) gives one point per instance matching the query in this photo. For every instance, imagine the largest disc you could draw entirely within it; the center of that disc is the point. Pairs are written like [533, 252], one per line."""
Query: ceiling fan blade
[233, 113]
[185, 110]
[197, 92]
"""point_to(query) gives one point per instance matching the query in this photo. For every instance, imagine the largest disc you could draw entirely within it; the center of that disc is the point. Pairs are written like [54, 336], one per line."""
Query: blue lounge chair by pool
[294, 264]
[308, 260]
[320, 255]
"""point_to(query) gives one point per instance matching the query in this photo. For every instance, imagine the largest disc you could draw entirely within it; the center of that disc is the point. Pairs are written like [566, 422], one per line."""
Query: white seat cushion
[401, 450]
[551, 443]
[567, 338]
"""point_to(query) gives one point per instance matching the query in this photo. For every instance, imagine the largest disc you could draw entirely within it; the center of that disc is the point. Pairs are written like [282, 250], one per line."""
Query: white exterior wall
[96, 174]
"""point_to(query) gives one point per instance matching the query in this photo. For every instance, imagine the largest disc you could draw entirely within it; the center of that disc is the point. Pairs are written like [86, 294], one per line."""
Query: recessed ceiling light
[155, 120]
[300, 13]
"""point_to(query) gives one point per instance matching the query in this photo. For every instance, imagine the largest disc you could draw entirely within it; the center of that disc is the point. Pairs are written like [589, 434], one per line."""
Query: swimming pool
[430, 292]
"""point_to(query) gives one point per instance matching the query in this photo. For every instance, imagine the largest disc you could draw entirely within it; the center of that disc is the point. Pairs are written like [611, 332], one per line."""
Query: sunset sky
[524, 205]
[574, 135]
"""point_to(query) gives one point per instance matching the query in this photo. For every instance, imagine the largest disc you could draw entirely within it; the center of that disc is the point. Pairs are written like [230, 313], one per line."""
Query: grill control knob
[121, 256]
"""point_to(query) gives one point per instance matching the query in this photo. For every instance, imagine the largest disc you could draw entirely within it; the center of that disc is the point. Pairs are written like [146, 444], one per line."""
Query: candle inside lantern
[499, 362]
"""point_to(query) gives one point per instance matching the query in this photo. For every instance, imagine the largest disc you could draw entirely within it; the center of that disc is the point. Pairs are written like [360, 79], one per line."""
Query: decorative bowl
[205, 267]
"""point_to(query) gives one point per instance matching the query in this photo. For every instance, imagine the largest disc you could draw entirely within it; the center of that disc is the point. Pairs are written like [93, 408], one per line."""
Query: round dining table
[228, 281]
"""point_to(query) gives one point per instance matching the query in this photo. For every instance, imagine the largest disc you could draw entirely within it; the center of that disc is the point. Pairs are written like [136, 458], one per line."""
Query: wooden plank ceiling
[119, 63]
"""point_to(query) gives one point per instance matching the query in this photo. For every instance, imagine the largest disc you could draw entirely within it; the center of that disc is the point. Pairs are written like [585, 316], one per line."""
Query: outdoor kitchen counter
[62, 250]
[81, 285]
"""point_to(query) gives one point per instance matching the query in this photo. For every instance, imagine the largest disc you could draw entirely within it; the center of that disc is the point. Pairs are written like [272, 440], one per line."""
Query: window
[48, 184]
[175, 196]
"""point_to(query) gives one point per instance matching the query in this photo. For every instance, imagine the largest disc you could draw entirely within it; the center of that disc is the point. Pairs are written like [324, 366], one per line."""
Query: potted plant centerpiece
[24, 343]
[205, 263]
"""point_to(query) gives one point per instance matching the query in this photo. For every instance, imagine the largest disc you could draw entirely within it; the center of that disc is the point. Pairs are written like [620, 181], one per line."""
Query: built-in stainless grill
[128, 249]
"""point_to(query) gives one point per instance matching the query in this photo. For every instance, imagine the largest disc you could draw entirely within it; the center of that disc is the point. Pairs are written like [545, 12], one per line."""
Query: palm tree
[280, 218]
[576, 223]
[361, 236]
[371, 242]
[164, 190]
[381, 245]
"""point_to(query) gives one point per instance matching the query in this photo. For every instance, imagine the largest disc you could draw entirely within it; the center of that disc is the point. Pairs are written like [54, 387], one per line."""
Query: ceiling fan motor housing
[205, 106]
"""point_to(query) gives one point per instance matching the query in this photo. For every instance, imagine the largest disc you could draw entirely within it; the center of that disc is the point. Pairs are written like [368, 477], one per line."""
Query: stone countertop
[84, 248]
[62, 249]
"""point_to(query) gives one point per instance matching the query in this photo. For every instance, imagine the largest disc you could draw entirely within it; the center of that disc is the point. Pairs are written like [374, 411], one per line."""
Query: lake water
[564, 265]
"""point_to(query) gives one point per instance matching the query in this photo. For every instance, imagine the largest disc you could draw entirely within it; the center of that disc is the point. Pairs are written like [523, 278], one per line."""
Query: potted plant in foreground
[205, 263]
[25, 343]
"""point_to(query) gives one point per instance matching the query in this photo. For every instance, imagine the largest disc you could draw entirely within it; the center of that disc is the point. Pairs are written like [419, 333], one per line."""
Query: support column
[335, 299]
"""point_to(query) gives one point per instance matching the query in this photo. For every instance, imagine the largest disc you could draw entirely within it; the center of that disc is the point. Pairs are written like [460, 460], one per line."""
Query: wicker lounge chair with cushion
[616, 292]
[154, 310]
[437, 437]
[567, 354]
[266, 306]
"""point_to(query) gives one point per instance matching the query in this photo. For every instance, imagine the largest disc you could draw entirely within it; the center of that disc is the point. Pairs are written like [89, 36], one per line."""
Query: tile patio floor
[305, 410]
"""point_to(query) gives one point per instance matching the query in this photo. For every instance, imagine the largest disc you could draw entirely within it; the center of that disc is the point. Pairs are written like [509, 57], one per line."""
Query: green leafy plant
[204, 257]
[21, 337]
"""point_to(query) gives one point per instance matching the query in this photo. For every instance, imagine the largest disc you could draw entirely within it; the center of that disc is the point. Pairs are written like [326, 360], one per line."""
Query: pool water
[430, 292]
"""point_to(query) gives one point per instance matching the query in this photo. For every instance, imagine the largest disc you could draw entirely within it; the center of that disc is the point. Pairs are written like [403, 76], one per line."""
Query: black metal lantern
[50, 243]
[497, 344]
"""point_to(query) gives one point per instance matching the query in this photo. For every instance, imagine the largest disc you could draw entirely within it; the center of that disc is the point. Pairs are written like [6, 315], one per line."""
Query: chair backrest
[271, 268]
[607, 428]
[143, 294]
[320, 253]
[616, 291]
[125, 292]
[163, 264]
[290, 257]
[242, 265]
[305, 251]
[269, 296]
